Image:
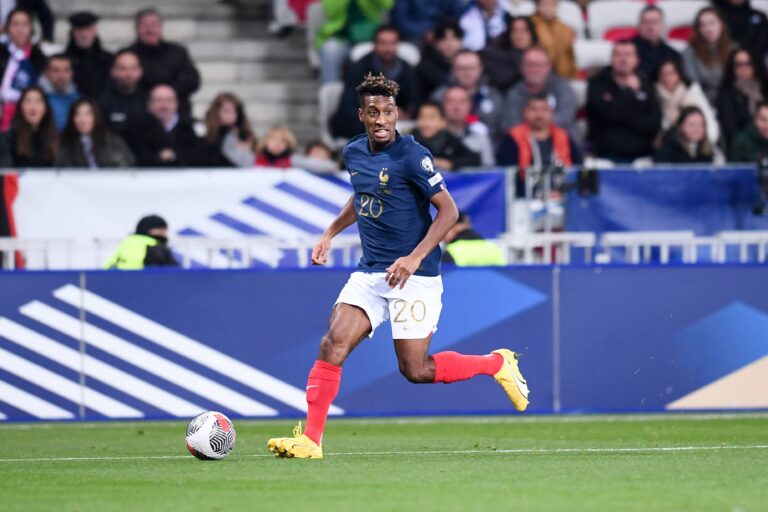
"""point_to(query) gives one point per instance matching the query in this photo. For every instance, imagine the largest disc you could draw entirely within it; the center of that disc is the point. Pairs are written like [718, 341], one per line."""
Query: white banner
[83, 206]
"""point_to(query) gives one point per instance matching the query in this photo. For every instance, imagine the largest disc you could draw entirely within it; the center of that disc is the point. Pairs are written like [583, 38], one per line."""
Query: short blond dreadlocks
[376, 86]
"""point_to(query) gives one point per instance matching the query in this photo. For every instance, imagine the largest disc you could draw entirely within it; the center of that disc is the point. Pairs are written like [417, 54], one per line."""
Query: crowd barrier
[166, 344]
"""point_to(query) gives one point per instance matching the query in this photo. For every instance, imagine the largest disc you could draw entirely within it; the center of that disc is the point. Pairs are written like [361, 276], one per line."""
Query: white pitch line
[650, 449]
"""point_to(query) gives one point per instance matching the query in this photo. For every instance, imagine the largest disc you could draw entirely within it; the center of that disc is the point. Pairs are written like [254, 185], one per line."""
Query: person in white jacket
[675, 92]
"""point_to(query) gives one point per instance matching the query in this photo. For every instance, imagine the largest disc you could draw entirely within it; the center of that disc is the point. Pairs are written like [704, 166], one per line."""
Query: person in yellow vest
[465, 247]
[147, 247]
[537, 142]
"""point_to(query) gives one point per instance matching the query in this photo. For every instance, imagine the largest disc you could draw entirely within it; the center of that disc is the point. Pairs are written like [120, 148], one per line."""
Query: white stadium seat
[580, 89]
[591, 54]
[328, 102]
[606, 15]
[405, 50]
[679, 16]
[760, 5]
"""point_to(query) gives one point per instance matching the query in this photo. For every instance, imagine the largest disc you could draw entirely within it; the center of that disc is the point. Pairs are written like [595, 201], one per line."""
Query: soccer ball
[210, 436]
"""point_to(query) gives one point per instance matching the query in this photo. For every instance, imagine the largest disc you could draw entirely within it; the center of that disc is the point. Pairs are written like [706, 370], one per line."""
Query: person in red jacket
[537, 142]
[276, 148]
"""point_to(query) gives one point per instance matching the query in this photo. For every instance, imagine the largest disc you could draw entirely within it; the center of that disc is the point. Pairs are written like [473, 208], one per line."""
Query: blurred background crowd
[483, 83]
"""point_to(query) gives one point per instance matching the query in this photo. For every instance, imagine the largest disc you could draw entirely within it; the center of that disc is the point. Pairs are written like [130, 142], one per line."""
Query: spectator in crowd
[124, 101]
[317, 158]
[447, 149]
[465, 247]
[285, 17]
[748, 27]
[229, 139]
[623, 114]
[21, 63]
[147, 247]
[487, 103]
[434, 68]
[686, 142]
[58, 84]
[90, 62]
[537, 141]
[165, 137]
[539, 80]
[415, 19]
[707, 51]
[467, 127]
[556, 38]
[503, 56]
[347, 23]
[744, 86]
[383, 59]
[276, 148]
[37, 8]
[164, 62]
[482, 21]
[32, 140]
[319, 150]
[752, 143]
[649, 41]
[87, 142]
[676, 92]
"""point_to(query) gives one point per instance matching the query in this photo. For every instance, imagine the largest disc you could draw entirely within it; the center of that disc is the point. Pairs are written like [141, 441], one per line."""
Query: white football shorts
[412, 312]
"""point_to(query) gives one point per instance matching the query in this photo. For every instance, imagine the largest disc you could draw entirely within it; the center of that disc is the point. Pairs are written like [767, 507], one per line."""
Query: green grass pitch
[516, 463]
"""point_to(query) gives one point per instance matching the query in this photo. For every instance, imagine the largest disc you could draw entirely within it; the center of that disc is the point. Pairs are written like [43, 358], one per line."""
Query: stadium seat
[580, 88]
[569, 13]
[613, 19]
[592, 54]
[760, 5]
[328, 101]
[405, 50]
[679, 16]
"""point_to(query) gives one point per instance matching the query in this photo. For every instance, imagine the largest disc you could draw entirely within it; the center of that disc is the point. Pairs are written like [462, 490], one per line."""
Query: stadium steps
[233, 51]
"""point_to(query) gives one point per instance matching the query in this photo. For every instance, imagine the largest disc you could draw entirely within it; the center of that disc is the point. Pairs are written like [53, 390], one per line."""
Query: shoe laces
[297, 430]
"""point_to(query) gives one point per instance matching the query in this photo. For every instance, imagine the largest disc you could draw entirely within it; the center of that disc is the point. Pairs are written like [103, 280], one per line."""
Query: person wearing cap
[465, 247]
[147, 247]
[90, 62]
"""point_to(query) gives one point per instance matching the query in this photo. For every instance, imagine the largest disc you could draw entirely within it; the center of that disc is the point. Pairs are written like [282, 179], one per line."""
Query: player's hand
[320, 251]
[402, 269]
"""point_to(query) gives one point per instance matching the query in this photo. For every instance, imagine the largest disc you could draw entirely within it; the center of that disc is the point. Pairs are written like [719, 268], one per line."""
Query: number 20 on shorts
[417, 311]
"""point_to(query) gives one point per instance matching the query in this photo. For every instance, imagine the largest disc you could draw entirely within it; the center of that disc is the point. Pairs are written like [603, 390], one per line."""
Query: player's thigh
[415, 310]
[413, 359]
[348, 326]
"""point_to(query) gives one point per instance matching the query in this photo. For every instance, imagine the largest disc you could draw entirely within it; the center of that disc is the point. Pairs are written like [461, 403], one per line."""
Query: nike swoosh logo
[521, 385]
[353, 173]
[310, 387]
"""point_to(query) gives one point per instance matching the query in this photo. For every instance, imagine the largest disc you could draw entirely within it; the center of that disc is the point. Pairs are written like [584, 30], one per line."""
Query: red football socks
[322, 388]
[453, 367]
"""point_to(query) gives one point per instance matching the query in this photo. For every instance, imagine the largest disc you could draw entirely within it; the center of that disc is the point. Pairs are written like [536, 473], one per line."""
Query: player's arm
[346, 218]
[447, 215]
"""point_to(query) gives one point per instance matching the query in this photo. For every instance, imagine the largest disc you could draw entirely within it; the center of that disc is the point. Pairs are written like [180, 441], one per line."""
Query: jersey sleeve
[422, 174]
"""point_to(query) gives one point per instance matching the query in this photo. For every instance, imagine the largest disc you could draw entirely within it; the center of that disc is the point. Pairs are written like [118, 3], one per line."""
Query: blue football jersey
[392, 192]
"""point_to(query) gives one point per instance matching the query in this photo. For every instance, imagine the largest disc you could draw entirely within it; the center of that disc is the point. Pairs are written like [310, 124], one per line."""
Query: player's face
[379, 116]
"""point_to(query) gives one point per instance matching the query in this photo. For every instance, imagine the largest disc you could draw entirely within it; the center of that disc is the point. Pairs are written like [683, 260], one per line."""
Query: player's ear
[360, 113]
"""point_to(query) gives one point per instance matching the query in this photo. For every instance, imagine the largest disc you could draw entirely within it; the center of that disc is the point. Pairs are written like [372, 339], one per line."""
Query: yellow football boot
[299, 446]
[510, 378]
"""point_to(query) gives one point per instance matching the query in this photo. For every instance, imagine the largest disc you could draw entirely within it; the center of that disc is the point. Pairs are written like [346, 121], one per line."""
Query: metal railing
[519, 249]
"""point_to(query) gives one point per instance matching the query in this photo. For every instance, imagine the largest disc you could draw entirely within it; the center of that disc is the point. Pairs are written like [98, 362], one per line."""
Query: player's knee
[333, 349]
[417, 373]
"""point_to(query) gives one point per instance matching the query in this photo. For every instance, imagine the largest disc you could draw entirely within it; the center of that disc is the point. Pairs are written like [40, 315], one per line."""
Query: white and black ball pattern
[210, 436]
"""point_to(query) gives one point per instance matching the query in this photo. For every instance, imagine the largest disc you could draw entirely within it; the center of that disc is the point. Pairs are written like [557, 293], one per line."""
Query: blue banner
[165, 344]
[705, 201]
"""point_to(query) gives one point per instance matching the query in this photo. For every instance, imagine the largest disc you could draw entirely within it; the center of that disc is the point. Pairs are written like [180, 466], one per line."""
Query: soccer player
[398, 276]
